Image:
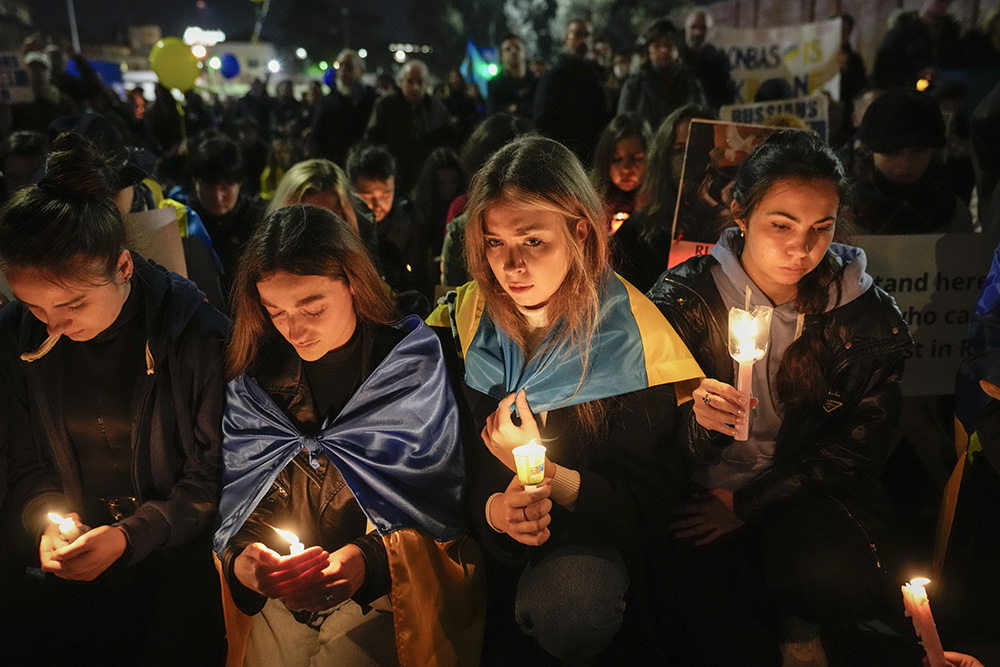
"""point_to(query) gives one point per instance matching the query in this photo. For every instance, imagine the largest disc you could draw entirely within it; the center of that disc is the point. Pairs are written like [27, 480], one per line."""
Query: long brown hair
[303, 240]
[537, 173]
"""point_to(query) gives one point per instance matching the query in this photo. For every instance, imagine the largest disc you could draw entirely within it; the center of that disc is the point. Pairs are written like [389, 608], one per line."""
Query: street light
[300, 53]
[215, 62]
[199, 51]
[363, 53]
[400, 56]
[274, 67]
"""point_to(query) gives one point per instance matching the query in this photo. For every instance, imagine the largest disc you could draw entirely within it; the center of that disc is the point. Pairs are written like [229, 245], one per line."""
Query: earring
[742, 232]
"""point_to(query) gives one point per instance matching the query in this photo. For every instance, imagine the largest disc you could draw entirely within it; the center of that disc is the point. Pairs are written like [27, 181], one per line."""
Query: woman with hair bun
[793, 520]
[113, 374]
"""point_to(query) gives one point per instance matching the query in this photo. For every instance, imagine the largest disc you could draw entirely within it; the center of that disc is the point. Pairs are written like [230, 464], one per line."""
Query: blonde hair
[313, 177]
[537, 173]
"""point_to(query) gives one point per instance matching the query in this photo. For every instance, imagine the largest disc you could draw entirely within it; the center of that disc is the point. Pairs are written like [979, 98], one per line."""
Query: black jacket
[835, 449]
[317, 501]
[646, 94]
[177, 427]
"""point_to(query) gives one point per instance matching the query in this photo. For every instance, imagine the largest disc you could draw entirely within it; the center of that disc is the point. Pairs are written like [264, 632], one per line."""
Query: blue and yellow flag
[633, 348]
[396, 444]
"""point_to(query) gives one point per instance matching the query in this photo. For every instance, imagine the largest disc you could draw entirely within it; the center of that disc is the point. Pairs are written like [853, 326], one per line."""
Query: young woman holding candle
[338, 419]
[547, 328]
[113, 396]
[793, 520]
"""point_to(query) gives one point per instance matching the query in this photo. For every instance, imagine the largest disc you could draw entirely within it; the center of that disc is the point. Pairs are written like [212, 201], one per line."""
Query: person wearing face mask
[777, 523]
[588, 363]
[112, 371]
[902, 185]
[663, 82]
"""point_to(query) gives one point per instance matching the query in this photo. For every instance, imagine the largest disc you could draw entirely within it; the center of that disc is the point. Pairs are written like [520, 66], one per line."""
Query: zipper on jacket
[864, 533]
[136, 427]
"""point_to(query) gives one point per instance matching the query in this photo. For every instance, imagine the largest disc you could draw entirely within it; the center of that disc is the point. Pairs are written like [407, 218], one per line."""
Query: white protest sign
[14, 86]
[804, 55]
[814, 110]
[936, 280]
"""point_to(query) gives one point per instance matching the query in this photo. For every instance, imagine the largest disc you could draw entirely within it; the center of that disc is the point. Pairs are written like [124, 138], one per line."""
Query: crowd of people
[302, 452]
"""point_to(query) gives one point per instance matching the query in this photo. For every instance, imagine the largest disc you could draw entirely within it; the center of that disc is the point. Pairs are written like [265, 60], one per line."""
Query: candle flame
[919, 581]
[55, 518]
[618, 220]
[291, 537]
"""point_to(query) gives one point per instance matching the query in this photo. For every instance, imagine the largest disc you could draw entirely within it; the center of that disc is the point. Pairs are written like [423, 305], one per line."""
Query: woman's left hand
[707, 519]
[501, 435]
[341, 579]
[90, 555]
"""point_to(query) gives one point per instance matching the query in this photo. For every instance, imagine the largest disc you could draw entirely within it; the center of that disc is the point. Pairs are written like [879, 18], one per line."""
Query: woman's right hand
[265, 572]
[522, 514]
[719, 406]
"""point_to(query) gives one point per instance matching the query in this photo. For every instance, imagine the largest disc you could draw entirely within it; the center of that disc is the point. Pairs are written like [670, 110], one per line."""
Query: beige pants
[347, 637]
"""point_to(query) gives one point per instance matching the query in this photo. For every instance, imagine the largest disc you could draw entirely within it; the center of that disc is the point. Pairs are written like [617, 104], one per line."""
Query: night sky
[100, 20]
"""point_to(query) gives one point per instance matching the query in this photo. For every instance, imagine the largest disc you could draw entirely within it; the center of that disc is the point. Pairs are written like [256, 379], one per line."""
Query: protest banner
[814, 110]
[804, 56]
[936, 280]
[713, 152]
[14, 85]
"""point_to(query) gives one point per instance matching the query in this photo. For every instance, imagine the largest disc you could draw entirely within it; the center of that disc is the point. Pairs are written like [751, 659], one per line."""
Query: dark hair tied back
[795, 155]
[68, 223]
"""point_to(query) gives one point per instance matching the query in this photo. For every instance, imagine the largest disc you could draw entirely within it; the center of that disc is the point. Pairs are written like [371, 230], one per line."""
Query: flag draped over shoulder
[396, 444]
[633, 348]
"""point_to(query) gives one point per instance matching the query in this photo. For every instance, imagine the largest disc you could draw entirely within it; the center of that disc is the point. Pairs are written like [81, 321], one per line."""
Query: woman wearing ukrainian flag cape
[340, 428]
[559, 349]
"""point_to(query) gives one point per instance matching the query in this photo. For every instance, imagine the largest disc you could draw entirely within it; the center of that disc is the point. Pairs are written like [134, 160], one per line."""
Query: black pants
[165, 610]
[813, 561]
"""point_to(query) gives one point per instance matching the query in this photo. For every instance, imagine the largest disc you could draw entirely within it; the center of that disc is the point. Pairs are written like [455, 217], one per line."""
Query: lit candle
[297, 547]
[530, 461]
[68, 530]
[748, 336]
[918, 608]
[618, 220]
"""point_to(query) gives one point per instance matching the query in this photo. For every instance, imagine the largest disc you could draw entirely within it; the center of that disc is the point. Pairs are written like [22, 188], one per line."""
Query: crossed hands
[86, 557]
[314, 580]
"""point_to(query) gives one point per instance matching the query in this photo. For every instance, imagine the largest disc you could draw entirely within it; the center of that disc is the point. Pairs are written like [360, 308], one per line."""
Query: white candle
[918, 608]
[530, 462]
[296, 546]
[68, 530]
[748, 338]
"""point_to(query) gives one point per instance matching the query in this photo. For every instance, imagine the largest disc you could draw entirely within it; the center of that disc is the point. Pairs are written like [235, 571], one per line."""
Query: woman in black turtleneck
[112, 368]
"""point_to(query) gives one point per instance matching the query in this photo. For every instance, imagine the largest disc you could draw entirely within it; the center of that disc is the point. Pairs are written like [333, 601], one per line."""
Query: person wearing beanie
[663, 83]
[902, 187]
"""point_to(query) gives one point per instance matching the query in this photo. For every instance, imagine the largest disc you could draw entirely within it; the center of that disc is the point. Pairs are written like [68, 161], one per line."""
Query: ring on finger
[707, 398]
[524, 513]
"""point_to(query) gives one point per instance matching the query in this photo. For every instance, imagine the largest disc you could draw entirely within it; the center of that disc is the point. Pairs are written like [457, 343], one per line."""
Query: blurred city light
[363, 53]
[274, 67]
[300, 53]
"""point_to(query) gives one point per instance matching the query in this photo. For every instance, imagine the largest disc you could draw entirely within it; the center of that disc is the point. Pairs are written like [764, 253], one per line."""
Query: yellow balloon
[174, 64]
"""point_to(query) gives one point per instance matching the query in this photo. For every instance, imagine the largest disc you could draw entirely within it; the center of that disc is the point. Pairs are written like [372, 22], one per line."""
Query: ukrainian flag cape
[633, 348]
[396, 444]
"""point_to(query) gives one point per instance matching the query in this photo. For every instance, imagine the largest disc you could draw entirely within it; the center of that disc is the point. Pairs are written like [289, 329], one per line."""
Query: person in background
[22, 155]
[400, 228]
[228, 213]
[341, 426]
[286, 110]
[619, 166]
[345, 113]
[663, 83]
[461, 107]
[410, 123]
[918, 42]
[112, 373]
[280, 158]
[512, 90]
[47, 103]
[569, 99]
[853, 75]
[775, 524]
[256, 104]
[707, 62]
[901, 188]
[546, 326]
[442, 179]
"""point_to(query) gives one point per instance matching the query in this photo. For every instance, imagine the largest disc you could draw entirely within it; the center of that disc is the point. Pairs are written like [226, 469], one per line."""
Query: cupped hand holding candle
[748, 338]
[69, 528]
[501, 435]
[918, 608]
